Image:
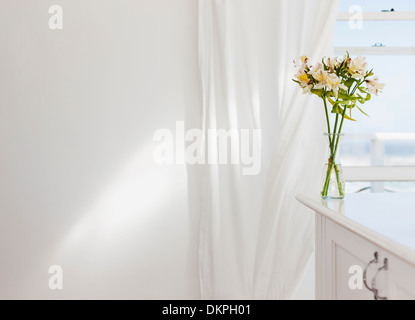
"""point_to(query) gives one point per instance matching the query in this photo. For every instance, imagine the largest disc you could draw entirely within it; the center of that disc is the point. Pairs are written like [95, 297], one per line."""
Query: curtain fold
[255, 240]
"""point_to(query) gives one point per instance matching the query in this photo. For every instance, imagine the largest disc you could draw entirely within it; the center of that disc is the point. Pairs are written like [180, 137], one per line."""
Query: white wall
[78, 186]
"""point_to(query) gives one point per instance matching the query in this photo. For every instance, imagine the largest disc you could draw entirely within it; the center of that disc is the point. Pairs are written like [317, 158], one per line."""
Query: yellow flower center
[320, 76]
[303, 77]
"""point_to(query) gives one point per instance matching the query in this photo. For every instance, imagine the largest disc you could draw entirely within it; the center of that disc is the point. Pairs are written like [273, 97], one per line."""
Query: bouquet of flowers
[343, 85]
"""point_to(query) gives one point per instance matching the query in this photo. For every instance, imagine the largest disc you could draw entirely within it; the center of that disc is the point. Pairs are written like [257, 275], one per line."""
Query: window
[378, 152]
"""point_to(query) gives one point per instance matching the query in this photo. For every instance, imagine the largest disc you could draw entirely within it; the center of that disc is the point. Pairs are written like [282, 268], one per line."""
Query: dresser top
[386, 219]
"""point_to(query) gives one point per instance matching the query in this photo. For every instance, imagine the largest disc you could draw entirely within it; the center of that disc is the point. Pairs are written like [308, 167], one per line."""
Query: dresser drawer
[346, 255]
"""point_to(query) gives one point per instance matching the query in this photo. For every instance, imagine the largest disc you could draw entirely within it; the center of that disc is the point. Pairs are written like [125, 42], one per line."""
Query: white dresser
[365, 246]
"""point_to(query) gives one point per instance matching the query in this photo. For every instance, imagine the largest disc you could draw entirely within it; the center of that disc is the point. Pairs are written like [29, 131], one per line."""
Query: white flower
[317, 67]
[357, 67]
[327, 81]
[302, 77]
[332, 63]
[307, 89]
[302, 63]
[320, 75]
[346, 59]
[305, 82]
[373, 85]
[334, 84]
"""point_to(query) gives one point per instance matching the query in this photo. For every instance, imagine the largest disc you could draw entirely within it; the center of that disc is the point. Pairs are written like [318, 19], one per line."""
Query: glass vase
[333, 185]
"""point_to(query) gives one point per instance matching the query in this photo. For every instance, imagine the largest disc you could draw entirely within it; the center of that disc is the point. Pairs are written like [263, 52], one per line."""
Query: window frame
[375, 173]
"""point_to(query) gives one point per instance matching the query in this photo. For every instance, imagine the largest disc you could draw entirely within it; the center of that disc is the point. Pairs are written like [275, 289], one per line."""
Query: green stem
[328, 121]
[339, 132]
[326, 182]
[335, 130]
[339, 183]
[336, 145]
[342, 120]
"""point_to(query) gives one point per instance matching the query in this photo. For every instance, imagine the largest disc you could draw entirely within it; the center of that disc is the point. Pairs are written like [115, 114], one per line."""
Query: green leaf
[369, 73]
[345, 103]
[318, 92]
[325, 66]
[361, 99]
[348, 118]
[332, 102]
[362, 89]
[337, 109]
[340, 111]
[345, 96]
[349, 82]
[362, 111]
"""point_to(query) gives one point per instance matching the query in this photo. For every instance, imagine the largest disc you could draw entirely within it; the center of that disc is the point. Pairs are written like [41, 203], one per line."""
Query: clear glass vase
[333, 184]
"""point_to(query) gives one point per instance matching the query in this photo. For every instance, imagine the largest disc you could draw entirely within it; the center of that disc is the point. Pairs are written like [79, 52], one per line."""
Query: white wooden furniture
[365, 238]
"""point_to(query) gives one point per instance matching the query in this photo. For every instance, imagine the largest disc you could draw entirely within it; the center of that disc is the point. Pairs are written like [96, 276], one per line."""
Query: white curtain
[255, 239]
